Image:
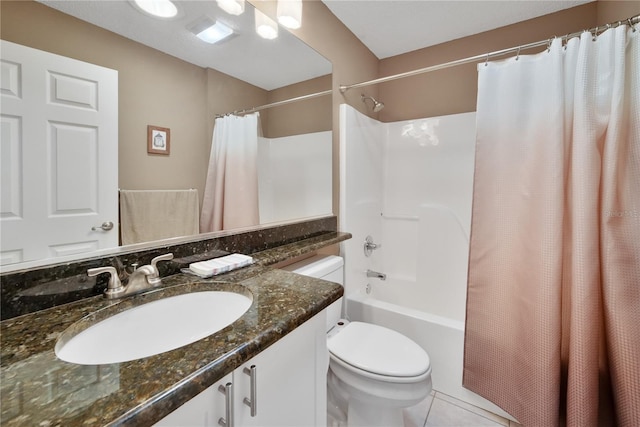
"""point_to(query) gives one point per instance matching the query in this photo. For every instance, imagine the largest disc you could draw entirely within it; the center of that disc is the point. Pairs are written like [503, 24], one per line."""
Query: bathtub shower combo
[408, 186]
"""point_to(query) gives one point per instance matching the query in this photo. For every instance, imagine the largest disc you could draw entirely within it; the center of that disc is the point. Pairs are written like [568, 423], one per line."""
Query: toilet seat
[378, 377]
[378, 352]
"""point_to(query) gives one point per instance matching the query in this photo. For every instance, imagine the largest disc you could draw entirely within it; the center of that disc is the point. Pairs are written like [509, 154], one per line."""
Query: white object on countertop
[220, 265]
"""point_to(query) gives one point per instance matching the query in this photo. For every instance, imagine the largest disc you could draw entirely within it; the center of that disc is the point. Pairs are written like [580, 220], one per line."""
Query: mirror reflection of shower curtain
[231, 190]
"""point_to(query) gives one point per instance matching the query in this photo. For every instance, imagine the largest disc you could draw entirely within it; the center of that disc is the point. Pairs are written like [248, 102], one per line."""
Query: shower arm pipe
[486, 56]
[278, 103]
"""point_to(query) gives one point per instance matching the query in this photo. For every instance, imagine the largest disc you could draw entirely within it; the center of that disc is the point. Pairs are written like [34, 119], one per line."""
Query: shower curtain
[231, 189]
[553, 303]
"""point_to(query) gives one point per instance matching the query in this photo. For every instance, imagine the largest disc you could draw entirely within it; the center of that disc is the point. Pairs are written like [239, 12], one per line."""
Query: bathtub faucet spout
[381, 276]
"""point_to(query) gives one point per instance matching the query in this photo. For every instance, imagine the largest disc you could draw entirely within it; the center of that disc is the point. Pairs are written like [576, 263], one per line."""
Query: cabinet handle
[253, 402]
[227, 390]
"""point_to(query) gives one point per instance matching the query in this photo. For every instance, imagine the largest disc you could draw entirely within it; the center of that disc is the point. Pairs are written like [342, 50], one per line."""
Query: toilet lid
[378, 350]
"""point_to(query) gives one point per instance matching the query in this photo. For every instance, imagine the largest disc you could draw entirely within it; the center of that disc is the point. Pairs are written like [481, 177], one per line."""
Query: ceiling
[386, 27]
[393, 27]
[268, 64]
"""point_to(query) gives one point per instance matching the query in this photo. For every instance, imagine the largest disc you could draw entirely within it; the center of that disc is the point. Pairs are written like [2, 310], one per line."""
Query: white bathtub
[442, 338]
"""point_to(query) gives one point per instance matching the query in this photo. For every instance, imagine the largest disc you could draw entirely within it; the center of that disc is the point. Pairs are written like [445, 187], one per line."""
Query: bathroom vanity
[281, 336]
[281, 386]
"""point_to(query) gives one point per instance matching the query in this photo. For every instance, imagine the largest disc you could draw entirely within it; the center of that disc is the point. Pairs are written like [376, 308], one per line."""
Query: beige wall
[312, 115]
[226, 94]
[616, 10]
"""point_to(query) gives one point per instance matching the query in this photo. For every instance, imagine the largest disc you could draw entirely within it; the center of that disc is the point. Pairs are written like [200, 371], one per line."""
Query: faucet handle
[369, 246]
[114, 284]
[165, 257]
[154, 277]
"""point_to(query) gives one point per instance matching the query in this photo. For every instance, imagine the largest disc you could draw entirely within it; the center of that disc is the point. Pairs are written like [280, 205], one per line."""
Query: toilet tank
[325, 267]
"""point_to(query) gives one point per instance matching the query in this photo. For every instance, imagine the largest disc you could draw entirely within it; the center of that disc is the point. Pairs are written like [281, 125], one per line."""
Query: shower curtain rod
[277, 104]
[486, 56]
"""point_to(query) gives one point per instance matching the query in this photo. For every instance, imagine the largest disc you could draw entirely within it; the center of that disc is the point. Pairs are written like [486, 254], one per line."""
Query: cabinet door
[289, 384]
[204, 410]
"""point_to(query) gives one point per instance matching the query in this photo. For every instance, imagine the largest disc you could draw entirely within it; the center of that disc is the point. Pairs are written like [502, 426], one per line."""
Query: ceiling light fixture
[158, 8]
[232, 7]
[215, 33]
[265, 26]
[211, 31]
[289, 13]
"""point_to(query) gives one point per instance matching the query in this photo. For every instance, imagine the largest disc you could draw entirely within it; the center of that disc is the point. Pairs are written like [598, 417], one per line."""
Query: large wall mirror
[169, 79]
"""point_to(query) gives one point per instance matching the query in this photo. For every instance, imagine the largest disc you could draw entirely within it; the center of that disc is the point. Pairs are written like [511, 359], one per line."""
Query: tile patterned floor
[440, 410]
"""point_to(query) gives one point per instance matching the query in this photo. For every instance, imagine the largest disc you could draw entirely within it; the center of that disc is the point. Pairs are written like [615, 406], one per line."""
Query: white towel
[221, 265]
[147, 215]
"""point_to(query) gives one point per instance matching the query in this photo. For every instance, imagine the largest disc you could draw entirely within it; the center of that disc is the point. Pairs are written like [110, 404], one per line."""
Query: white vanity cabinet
[290, 380]
[204, 410]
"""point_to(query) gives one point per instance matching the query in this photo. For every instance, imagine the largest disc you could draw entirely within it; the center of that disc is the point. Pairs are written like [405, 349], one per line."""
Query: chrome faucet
[143, 278]
[381, 276]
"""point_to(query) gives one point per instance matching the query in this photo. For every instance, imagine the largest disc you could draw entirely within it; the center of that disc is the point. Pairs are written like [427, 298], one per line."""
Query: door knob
[106, 226]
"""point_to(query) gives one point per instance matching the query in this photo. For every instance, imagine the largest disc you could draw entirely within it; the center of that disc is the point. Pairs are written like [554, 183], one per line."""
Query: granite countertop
[38, 389]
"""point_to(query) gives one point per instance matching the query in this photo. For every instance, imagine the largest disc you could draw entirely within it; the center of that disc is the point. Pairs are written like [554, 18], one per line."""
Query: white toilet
[374, 372]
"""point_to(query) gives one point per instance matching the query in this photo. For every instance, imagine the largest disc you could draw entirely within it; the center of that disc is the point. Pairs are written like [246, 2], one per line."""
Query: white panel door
[59, 157]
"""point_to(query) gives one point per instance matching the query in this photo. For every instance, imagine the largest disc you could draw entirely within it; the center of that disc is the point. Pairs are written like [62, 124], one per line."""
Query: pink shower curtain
[553, 302]
[231, 189]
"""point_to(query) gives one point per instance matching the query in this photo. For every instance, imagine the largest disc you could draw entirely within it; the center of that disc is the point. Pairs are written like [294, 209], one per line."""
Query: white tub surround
[409, 185]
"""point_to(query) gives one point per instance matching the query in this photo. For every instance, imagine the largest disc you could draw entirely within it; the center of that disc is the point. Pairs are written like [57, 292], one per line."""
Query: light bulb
[290, 13]
[232, 7]
[265, 26]
[159, 8]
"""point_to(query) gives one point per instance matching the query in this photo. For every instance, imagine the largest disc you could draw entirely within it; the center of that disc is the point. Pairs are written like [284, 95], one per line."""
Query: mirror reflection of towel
[147, 215]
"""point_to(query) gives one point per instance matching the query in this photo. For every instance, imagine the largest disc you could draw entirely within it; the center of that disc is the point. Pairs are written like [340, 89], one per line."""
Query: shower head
[377, 106]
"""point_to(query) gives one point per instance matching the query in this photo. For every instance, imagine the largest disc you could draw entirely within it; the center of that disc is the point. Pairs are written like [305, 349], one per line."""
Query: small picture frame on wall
[158, 140]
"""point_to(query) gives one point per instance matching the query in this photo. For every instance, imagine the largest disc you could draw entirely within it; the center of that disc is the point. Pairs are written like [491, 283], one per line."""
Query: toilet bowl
[374, 372]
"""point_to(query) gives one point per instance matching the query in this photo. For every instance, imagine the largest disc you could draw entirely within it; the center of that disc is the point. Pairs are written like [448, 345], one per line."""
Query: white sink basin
[154, 328]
